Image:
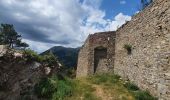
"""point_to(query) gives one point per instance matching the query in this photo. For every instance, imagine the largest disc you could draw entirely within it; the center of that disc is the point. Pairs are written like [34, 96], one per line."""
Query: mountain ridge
[67, 56]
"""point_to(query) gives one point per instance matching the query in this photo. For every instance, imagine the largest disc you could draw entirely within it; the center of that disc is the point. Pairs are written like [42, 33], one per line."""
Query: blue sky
[113, 7]
[47, 23]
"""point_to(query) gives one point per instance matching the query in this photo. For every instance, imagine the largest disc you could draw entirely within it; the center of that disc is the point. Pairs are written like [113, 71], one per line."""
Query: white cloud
[45, 23]
[118, 21]
[38, 46]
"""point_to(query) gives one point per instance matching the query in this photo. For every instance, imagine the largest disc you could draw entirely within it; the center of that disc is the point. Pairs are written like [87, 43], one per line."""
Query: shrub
[30, 55]
[131, 86]
[44, 89]
[49, 59]
[128, 48]
[53, 88]
[115, 78]
[139, 94]
[63, 89]
[144, 95]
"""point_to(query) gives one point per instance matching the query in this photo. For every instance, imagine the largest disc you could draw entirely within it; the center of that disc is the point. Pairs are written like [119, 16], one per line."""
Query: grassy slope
[100, 87]
[97, 87]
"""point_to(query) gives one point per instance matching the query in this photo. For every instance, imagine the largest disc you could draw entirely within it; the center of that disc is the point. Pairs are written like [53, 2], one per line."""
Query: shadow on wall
[99, 53]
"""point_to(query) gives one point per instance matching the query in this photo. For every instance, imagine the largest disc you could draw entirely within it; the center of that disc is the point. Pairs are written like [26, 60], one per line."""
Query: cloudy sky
[47, 23]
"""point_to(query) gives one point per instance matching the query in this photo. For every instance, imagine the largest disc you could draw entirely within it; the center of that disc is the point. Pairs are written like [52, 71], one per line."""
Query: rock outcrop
[18, 76]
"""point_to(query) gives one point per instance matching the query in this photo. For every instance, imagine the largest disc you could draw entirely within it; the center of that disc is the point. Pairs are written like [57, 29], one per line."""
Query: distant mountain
[68, 56]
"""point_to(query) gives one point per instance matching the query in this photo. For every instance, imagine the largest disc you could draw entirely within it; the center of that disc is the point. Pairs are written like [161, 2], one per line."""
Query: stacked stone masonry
[148, 65]
[90, 57]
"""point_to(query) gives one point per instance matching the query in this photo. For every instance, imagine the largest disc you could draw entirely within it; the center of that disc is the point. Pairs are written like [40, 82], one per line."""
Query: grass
[103, 78]
[82, 91]
[137, 93]
[131, 86]
[97, 87]
[143, 95]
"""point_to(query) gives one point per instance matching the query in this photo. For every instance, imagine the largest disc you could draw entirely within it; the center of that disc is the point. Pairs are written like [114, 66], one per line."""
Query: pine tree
[10, 37]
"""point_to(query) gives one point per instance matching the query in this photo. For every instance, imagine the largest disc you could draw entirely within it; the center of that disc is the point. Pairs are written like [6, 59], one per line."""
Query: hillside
[67, 56]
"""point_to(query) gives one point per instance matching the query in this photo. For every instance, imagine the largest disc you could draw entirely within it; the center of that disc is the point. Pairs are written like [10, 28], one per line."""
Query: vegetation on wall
[128, 47]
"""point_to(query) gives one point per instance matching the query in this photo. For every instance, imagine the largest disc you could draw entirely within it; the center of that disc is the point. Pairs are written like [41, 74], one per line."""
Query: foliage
[70, 72]
[62, 88]
[48, 60]
[131, 86]
[128, 48]
[144, 95]
[44, 88]
[53, 88]
[9, 36]
[32, 56]
[103, 78]
[107, 85]
[82, 91]
[21, 44]
[139, 94]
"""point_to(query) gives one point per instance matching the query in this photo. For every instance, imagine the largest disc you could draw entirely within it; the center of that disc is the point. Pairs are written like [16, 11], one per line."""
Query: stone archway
[100, 54]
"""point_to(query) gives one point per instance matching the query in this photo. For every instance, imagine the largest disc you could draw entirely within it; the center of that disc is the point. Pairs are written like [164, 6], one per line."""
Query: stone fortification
[148, 35]
[97, 54]
[139, 51]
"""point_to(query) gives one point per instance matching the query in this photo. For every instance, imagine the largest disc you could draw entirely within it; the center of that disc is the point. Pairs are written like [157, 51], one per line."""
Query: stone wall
[86, 57]
[147, 36]
[148, 65]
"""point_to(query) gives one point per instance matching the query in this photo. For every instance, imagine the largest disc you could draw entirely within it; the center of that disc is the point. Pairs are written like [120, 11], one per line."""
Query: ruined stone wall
[86, 55]
[148, 65]
[83, 60]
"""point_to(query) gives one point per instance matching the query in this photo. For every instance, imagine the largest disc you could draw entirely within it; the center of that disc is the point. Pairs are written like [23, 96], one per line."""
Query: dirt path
[101, 93]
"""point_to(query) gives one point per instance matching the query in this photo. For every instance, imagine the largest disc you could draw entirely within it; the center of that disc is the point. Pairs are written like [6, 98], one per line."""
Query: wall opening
[99, 53]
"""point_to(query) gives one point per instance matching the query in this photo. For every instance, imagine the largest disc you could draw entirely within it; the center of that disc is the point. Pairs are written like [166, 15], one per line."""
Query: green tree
[21, 44]
[9, 36]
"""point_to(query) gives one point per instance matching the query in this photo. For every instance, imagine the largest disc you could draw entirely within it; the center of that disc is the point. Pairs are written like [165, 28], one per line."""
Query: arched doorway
[99, 54]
